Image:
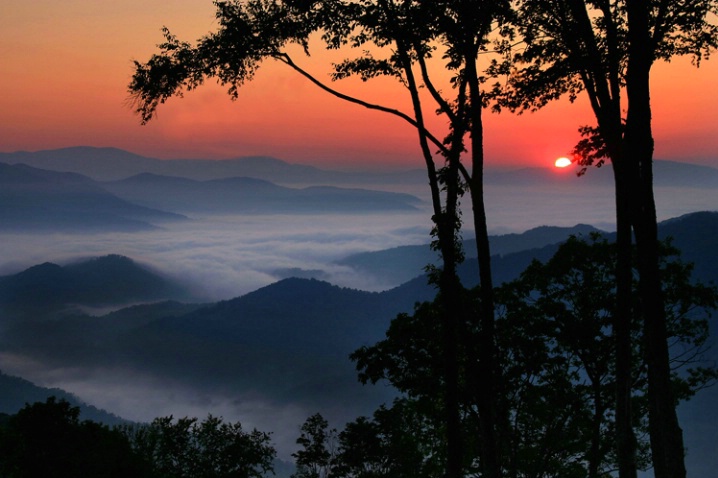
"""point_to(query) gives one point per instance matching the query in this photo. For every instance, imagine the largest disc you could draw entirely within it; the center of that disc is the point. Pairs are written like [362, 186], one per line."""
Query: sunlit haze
[66, 66]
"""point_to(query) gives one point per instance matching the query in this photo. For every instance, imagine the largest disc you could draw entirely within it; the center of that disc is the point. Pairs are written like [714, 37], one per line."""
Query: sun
[562, 162]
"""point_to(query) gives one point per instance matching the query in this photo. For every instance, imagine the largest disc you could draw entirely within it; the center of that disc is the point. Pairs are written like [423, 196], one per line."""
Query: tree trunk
[450, 288]
[487, 397]
[625, 436]
[666, 435]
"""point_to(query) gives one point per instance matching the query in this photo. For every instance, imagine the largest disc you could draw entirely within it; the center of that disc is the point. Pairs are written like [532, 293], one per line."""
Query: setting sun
[562, 162]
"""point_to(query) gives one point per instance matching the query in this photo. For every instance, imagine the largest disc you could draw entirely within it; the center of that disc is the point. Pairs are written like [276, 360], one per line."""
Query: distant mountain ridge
[112, 164]
[38, 199]
[41, 200]
[249, 195]
[403, 263]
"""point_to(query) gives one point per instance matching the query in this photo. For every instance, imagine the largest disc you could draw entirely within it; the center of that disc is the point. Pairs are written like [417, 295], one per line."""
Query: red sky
[66, 65]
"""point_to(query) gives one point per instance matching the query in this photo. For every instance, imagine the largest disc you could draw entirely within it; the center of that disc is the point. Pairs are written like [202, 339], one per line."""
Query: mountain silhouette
[111, 164]
[17, 392]
[108, 280]
[245, 195]
[403, 263]
[36, 199]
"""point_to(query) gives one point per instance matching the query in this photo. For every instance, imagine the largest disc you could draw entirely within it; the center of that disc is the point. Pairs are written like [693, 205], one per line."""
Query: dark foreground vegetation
[49, 440]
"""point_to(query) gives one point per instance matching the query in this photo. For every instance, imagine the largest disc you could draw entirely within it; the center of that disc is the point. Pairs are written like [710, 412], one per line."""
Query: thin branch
[284, 58]
[443, 104]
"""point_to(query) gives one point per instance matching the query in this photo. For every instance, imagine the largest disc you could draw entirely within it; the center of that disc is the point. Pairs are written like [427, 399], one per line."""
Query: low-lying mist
[222, 257]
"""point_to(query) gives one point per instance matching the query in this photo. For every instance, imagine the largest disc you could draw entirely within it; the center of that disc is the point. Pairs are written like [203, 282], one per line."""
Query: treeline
[48, 440]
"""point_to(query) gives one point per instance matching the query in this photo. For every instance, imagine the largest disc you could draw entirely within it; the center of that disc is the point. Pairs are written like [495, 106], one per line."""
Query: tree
[318, 456]
[407, 33]
[606, 48]
[46, 440]
[211, 448]
[558, 360]
[570, 297]
[400, 441]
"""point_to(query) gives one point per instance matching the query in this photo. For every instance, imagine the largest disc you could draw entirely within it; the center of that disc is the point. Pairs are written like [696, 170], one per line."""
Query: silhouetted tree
[408, 33]
[568, 303]
[318, 456]
[558, 360]
[606, 49]
[400, 441]
[46, 440]
[188, 448]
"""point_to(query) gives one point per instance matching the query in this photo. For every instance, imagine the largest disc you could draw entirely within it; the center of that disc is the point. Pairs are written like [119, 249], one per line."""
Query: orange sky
[66, 65]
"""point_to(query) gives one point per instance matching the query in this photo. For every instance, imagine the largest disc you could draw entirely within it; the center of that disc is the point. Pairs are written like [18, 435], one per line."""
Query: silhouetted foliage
[46, 440]
[188, 448]
[556, 341]
[399, 441]
[318, 456]
[606, 50]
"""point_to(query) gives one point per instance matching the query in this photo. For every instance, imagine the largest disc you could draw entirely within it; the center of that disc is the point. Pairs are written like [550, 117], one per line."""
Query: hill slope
[36, 199]
[244, 195]
[16, 392]
[108, 280]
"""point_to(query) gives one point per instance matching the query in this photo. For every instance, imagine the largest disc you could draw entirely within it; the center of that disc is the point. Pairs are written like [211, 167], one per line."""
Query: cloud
[224, 257]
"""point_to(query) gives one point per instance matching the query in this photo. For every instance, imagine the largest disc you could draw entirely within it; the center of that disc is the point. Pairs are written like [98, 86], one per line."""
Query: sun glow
[562, 162]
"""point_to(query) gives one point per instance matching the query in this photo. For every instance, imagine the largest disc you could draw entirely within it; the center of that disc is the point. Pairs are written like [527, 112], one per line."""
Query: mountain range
[111, 164]
[299, 329]
[102, 281]
[404, 263]
[245, 195]
[16, 392]
[283, 345]
[42, 200]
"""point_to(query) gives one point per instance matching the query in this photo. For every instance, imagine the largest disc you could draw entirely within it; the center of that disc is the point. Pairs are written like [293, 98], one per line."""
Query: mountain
[403, 263]
[244, 195]
[38, 200]
[666, 174]
[695, 235]
[111, 164]
[102, 281]
[282, 343]
[16, 392]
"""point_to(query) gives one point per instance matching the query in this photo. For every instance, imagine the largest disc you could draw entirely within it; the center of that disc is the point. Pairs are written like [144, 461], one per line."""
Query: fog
[228, 256]
[224, 257]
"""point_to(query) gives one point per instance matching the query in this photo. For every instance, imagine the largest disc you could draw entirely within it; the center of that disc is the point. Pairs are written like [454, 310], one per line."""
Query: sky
[66, 67]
